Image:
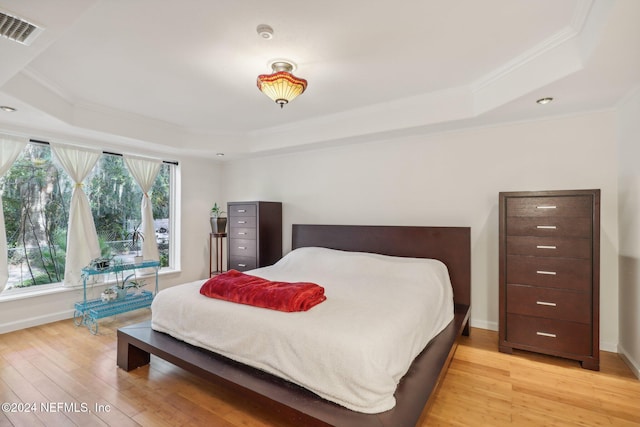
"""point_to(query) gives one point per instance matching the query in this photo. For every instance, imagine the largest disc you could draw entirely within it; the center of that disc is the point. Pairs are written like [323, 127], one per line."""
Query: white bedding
[351, 349]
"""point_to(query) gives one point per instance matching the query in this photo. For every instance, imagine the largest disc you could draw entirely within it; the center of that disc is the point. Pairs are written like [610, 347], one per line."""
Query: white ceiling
[179, 77]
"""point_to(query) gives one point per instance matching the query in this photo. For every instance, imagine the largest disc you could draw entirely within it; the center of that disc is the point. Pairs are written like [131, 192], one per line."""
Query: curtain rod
[37, 141]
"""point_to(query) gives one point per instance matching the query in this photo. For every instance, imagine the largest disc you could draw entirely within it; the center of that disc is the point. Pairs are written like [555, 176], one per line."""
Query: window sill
[40, 290]
[57, 288]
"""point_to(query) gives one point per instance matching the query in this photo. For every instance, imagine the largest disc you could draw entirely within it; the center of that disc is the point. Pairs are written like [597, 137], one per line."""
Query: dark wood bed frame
[451, 245]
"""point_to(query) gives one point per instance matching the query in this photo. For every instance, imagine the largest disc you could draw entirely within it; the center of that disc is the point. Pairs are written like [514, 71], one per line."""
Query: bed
[451, 245]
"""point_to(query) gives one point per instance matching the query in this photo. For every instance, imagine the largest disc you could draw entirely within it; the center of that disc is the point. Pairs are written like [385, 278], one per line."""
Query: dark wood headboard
[451, 245]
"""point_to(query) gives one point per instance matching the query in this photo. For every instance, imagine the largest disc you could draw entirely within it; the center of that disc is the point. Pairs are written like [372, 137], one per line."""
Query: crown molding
[523, 59]
[48, 84]
[581, 14]
[575, 27]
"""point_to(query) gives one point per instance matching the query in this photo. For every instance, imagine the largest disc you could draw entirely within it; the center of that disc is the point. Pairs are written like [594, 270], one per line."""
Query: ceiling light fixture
[281, 86]
[7, 108]
[543, 101]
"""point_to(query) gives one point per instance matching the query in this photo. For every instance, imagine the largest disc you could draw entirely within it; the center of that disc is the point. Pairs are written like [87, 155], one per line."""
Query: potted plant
[101, 263]
[137, 237]
[104, 261]
[134, 284]
[118, 290]
[218, 222]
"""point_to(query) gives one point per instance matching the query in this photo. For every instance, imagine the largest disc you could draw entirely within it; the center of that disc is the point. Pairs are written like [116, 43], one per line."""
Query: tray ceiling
[180, 76]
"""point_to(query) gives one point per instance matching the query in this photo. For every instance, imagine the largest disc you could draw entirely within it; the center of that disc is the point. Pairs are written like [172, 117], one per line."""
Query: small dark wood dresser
[255, 234]
[550, 273]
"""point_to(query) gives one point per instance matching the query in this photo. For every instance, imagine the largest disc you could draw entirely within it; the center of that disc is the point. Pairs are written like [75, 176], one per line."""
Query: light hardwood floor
[69, 377]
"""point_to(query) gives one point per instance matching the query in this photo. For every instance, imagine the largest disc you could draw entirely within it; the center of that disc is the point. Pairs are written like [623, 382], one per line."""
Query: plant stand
[219, 246]
[87, 312]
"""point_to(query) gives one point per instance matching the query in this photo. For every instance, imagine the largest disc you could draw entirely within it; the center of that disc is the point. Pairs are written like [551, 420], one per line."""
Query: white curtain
[10, 148]
[145, 171]
[82, 239]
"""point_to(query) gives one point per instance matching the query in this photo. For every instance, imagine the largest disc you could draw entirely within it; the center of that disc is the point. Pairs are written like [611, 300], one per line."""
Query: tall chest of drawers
[255, 234]
[549, 273]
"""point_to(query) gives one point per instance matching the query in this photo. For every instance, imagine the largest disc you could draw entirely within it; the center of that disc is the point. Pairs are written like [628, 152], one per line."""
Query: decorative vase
[218, 225]
[108, 296]
[122, 293]
[103, 264]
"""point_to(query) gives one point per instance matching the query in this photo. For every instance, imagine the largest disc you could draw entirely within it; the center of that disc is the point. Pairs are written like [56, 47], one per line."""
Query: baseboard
[608, 346]
[35, 321]
[483, 324]
[633, 364]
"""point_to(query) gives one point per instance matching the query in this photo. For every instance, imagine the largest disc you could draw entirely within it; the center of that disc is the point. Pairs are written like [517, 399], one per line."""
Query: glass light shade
[282, 86]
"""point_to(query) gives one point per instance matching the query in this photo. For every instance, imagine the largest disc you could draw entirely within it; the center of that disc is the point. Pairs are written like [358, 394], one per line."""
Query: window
[36, 196]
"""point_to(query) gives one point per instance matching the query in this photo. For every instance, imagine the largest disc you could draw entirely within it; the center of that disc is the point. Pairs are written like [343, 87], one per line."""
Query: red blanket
[243, 288]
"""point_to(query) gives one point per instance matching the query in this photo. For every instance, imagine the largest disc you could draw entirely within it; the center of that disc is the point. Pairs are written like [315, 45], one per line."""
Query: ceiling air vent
[17, 29]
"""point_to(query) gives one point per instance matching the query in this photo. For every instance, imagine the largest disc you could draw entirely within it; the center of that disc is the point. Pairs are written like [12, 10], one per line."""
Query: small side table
[218, 239]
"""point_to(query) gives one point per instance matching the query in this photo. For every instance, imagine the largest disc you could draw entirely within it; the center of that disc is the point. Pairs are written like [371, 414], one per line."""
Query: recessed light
[220, 154]
[543, 101]
[7, 108]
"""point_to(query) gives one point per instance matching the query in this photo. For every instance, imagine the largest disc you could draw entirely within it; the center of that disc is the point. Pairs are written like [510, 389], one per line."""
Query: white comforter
[352, 349]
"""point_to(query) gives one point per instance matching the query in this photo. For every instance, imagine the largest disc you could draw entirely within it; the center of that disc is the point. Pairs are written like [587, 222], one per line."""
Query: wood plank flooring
[60, 375]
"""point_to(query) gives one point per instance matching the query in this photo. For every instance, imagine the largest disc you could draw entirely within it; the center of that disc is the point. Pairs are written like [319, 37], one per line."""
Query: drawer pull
[546, 247]
[242, 247]
[242, 222]
[546, 334]
[241, 233]
[551, 273]
[546, 207]
[242, 210]
[550, 304]
[242, 265]
[547, 227]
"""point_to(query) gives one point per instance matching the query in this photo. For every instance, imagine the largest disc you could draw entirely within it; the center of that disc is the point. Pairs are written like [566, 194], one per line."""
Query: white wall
[629, 229]
[448, 179]
[200, 186]
[451, 179]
